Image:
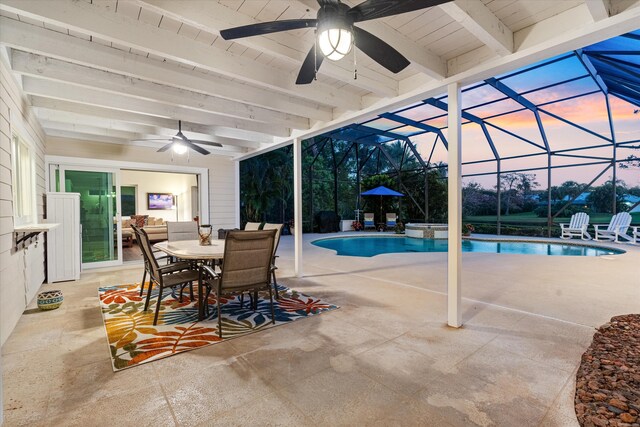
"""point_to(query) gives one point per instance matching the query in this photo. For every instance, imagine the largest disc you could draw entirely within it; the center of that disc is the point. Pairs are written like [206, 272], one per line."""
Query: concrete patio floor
[385, 357]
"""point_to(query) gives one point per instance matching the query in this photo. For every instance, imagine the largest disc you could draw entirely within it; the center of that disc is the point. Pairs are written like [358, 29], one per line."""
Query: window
[23, 180]
[128, 199]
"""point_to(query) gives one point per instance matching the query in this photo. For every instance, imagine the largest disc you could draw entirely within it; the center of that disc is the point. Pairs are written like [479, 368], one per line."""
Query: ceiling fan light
[335, 43]
[179, 148]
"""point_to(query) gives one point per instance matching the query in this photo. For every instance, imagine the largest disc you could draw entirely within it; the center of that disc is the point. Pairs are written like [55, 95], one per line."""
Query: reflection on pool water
[376, 245]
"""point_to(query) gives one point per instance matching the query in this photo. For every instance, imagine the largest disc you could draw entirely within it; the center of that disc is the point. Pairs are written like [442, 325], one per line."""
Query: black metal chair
[246, 267]
[168, 276]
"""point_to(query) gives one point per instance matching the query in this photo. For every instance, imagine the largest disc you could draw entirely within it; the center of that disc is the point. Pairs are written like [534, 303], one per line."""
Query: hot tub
[426, 230]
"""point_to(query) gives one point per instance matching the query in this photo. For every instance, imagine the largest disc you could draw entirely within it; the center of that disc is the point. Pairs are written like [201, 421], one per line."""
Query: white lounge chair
[636, 234]
[577, 227]
[617, 228]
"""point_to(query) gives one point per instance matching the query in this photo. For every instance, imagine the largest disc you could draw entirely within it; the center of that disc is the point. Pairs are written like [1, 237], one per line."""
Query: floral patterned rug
[134, 340]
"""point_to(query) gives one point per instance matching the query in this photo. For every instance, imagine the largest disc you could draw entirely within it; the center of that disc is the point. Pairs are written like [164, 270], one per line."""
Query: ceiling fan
[336, 32]
[180, 143]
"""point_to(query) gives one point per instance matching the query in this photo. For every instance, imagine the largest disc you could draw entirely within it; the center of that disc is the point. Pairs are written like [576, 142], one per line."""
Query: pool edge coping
[526, 239]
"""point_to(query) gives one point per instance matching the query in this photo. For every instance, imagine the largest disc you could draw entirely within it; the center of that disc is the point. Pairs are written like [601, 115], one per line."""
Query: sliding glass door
[99, 213]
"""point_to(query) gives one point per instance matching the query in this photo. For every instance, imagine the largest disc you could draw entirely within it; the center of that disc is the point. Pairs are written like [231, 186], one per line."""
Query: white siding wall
[222, 197]
[16, 267]
[12, 263]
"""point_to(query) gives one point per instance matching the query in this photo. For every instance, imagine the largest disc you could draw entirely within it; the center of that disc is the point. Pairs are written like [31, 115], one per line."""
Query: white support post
[454, 267]
[297, 205]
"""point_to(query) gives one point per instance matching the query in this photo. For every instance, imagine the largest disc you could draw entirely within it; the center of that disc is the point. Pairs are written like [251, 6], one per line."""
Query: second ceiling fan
[336, 32]
[180, 143]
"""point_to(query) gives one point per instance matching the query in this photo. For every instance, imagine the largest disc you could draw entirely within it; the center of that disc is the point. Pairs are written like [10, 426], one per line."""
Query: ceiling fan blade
[328, 2]
[266, 28]
[194, 147]
[308, 70]
[150, 139]
[374, 9]
[201, 141]
[380, 51]
[165, 147]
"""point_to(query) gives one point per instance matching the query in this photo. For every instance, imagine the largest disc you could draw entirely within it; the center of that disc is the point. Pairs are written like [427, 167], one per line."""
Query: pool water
[376, 245]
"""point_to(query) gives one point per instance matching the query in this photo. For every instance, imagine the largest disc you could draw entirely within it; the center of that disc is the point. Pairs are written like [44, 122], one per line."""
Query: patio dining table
[192, 250]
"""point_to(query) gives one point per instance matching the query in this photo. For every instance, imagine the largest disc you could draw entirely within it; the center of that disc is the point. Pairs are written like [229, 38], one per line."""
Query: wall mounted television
[159, 201]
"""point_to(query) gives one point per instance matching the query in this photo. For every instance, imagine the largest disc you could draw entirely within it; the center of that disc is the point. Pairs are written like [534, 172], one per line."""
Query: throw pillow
[139, 220]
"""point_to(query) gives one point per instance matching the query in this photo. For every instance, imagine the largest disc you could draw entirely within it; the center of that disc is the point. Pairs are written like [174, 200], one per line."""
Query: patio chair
[168, 276]
[246, 268]
[182, 230]
[392, 219]
[577, 227]
[278, 228]
[617, 228]
[250, 226]
[369, 221]
[636, 234]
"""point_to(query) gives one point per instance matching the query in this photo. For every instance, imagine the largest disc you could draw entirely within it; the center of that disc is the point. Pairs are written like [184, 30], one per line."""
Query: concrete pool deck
[384, 358]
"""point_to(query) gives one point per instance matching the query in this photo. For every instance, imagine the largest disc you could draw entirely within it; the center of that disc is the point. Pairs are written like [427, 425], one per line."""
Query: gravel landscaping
[608, 380]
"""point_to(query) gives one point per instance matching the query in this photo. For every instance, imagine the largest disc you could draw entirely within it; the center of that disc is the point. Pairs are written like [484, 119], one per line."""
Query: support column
[454, 261]
[297, 206]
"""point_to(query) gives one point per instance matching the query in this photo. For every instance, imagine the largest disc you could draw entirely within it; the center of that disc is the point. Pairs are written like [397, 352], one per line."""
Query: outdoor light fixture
[335, 39]
[179, 148]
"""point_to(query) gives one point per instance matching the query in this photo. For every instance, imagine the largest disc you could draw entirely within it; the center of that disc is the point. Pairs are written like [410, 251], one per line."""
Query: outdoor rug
[134, 340]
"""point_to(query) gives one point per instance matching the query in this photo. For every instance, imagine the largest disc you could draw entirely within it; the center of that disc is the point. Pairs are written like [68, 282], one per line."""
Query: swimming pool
[369, 246]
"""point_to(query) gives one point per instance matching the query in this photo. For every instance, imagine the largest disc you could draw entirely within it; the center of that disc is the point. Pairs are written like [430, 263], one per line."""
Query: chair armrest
[176, 266]
[596, 226]
[206, 270]
[563, 225]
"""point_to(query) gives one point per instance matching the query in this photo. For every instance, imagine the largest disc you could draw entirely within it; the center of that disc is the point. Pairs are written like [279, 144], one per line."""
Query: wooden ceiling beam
[599, 9]
[135, 117]
[54, 69]
[88, 96]
[30, 38]
[474, 16]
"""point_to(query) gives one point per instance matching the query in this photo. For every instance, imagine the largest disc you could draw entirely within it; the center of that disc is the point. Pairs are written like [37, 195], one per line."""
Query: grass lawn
[531, 218]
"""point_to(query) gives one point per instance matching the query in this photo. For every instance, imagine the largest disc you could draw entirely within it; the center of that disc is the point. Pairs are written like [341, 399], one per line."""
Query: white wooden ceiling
[118, 70]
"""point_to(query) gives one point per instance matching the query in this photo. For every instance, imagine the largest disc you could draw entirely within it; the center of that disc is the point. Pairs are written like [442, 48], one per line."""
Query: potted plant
[291, 223]
[356, 226]
[399, 228]
[467, 229]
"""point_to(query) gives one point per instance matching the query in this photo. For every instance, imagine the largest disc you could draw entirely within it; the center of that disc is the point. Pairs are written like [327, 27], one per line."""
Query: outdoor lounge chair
[391, 220]
[636, 234]
[246, 268]
[577, 227]
[617, 228]
[369, 222]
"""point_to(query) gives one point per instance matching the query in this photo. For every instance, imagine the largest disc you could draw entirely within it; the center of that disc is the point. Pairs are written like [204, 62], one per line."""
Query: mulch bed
[608, 381]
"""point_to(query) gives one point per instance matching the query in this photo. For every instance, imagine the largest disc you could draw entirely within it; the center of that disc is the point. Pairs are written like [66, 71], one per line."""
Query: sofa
[156, 228]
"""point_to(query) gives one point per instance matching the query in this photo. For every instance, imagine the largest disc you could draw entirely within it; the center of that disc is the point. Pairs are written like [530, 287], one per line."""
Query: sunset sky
[587, 111]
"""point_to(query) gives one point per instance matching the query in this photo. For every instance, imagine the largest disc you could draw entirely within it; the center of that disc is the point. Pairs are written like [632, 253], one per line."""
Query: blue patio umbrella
[382, 191]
